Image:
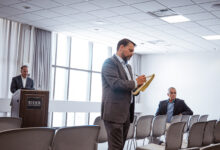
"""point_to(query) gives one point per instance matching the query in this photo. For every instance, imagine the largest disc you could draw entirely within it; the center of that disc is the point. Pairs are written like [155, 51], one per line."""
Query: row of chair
[7, 123]
[200, 135]
[38, 138]
[190, 120]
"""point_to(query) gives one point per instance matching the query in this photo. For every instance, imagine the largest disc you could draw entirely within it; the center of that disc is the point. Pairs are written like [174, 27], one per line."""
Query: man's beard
[126, 59]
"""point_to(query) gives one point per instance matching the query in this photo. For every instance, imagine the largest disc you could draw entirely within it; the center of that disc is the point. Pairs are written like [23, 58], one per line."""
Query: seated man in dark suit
[173, 106]
[22, 81]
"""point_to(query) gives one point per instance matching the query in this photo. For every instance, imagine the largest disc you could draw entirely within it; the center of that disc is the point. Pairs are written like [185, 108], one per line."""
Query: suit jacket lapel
[174, 109]
[120, 66]
[20, 81]
[166, 104]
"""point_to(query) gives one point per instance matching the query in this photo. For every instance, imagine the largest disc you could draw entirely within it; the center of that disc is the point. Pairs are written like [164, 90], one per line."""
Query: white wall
[195, 76]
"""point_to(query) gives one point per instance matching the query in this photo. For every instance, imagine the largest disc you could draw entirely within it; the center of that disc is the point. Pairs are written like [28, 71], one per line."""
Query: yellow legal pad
[145, 85]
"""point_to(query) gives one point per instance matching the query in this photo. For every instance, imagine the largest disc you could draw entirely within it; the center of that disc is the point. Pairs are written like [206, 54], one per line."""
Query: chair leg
[143, 142]
[134, 144]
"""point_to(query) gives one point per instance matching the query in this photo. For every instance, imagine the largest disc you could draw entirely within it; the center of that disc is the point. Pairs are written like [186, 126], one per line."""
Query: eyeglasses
[172, 92]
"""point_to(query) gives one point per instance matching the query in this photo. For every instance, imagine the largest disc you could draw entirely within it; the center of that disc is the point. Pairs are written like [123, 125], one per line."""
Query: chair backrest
[27, 139]
[176, 118]
[102, 133]
[193, 119]
[196, 132]
[77, 138]
[143, 127]
[174, 136]
[7, 123]
[208, 137]
[217, 132]
[211, 147]
[159, 125]
[203, 118]
[131, 130]
[185, 118]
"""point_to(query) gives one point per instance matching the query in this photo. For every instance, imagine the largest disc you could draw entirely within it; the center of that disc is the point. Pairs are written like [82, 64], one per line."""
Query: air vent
[163, 13]
[216, 5]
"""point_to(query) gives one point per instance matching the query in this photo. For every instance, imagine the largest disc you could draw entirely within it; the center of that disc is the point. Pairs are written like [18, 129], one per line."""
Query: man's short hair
[124, 42]
[24, 66]
[170, 89]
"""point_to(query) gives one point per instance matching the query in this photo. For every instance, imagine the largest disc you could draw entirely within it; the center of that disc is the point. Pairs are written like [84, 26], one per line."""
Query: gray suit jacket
[116, 92]
[16, 84]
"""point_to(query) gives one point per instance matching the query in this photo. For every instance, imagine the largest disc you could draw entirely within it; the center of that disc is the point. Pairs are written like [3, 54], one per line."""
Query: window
[80, 54]
[79, 82]
[96, 90]
[70, 119]
[76, 76]
[61, 84]
[81, 118]
[58, 119]
[93, 116]
[62, 51]
[100, 53]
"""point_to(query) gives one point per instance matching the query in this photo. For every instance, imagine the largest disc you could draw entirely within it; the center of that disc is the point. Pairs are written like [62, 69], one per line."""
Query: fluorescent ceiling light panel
[212, 37]
[175, 19]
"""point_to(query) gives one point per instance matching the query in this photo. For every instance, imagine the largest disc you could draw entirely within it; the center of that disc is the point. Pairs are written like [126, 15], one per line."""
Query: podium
[31, 106]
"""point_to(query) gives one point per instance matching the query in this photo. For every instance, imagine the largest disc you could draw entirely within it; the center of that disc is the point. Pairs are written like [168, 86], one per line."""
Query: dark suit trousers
[117, 134]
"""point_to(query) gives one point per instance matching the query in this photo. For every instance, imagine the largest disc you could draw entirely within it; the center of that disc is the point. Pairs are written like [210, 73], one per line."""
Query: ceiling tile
[31, 17]
[63, 19]
[129, 2]
[67, 2]
[123, 10]
[209, 6]
[132, 25]
[82, 17]
[215, 28]
[104, 13]
[188, 9]
[175, 3]
[153, 22]
[139, 16]
[8, 11]
[18, 19]
[46, 13]
[21, 6]
[216, 13]
[107, 3]
[202, 1]
[209, 22]
[9, 2]
[201, 31]
[47, 22]
[200, 16]
[64, 10]
[117, 19]
[84, 7]
[44, 3]
[187, 25]
[149, 6]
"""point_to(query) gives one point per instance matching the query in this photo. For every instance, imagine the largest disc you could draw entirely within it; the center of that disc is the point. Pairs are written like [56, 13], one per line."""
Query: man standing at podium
[22, 81]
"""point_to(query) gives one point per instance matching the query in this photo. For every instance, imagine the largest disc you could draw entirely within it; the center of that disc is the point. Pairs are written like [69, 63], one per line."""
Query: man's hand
[140, 80]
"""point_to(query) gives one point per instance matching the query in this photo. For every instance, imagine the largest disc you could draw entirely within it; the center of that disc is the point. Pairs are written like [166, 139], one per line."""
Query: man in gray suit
[22, 81]
[117, 101]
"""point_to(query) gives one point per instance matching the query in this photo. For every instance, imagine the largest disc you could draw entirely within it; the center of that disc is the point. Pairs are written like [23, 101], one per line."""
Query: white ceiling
[124, 19]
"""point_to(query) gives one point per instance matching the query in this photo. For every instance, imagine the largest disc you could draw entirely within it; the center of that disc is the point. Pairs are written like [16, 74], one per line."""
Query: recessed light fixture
[26, 7]
[175, 19]
[99, 22]
[212, 37]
